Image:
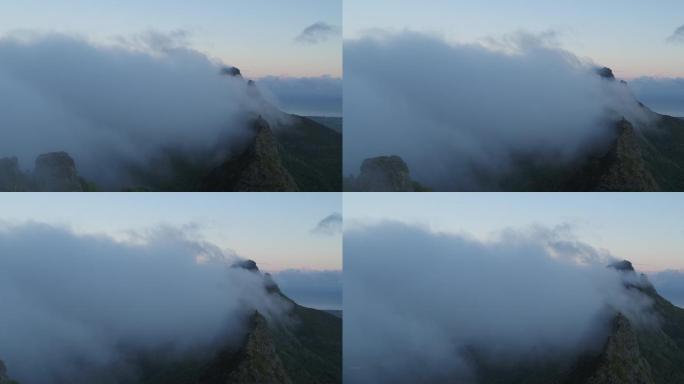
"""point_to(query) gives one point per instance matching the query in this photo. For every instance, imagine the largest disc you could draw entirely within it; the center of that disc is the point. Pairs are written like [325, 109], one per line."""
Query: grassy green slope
[312, 153]
[662, 147]
[663, 347]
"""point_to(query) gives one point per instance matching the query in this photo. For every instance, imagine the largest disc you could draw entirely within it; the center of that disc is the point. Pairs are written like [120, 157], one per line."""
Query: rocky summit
[56, 172]
[53, 172]
[383, 174]
[11, 178]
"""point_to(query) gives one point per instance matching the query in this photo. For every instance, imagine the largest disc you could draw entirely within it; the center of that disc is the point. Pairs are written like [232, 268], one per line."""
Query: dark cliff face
[53, 172]
[258, 168]
[383, 174]
[304, 348]
[644, 350]
[621, 361]
[255, 362]
[605, 73]
[623, 169]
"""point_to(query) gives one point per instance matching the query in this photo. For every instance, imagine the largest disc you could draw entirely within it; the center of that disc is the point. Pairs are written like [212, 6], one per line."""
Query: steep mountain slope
[259, 167]
[622, 360]
[638, 354]
[312, 153]
[662, 147]
[299, 154]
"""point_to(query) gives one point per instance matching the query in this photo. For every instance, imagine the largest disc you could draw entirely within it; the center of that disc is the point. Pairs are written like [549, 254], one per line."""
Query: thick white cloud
[113, 107]
[449, 109]
[418, 304]
[71, 303]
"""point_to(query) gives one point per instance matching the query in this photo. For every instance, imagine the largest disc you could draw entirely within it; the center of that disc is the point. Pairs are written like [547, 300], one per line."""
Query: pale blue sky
[274, 229]
[646, 228]
[258, 35]
[628, 35]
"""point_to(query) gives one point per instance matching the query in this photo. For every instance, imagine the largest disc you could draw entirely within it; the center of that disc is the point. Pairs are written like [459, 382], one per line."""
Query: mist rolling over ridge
[422, 306]
[74, 305]
[150, 112]
[113, 105]
[462, 115]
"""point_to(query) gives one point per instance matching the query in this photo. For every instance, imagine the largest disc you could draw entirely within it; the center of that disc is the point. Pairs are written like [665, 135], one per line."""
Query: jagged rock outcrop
[56, 172]
[258, 168]
[231, 71]
[53, 172]
[623, 266]
[260, 362]
[249, 265]
[622, 168]
[257, 361]
[621, 361]
[384, 174]
[605, 73]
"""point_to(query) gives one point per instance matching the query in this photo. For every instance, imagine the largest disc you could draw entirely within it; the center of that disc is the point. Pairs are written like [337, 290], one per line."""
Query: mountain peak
[385, 174]
[56, 171]
[247, 264]
[623, 266]
[605, 73]
[231, 71]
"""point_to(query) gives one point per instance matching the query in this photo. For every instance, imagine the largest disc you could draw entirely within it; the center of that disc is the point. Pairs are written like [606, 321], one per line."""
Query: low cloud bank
[420, 305]
[663, 95]
[73, 303]
[454, 111]
[670, 284]
[308, 96]
[318, 289]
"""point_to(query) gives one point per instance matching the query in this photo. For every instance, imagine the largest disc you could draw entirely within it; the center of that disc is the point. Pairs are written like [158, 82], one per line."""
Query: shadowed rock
[624, 169]
[258, 168]
[231, 71]
[56, 172]
[385, 174]
[605, 73]
[256, 362]
[249, 265]
[624, 266]
[621, 361]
